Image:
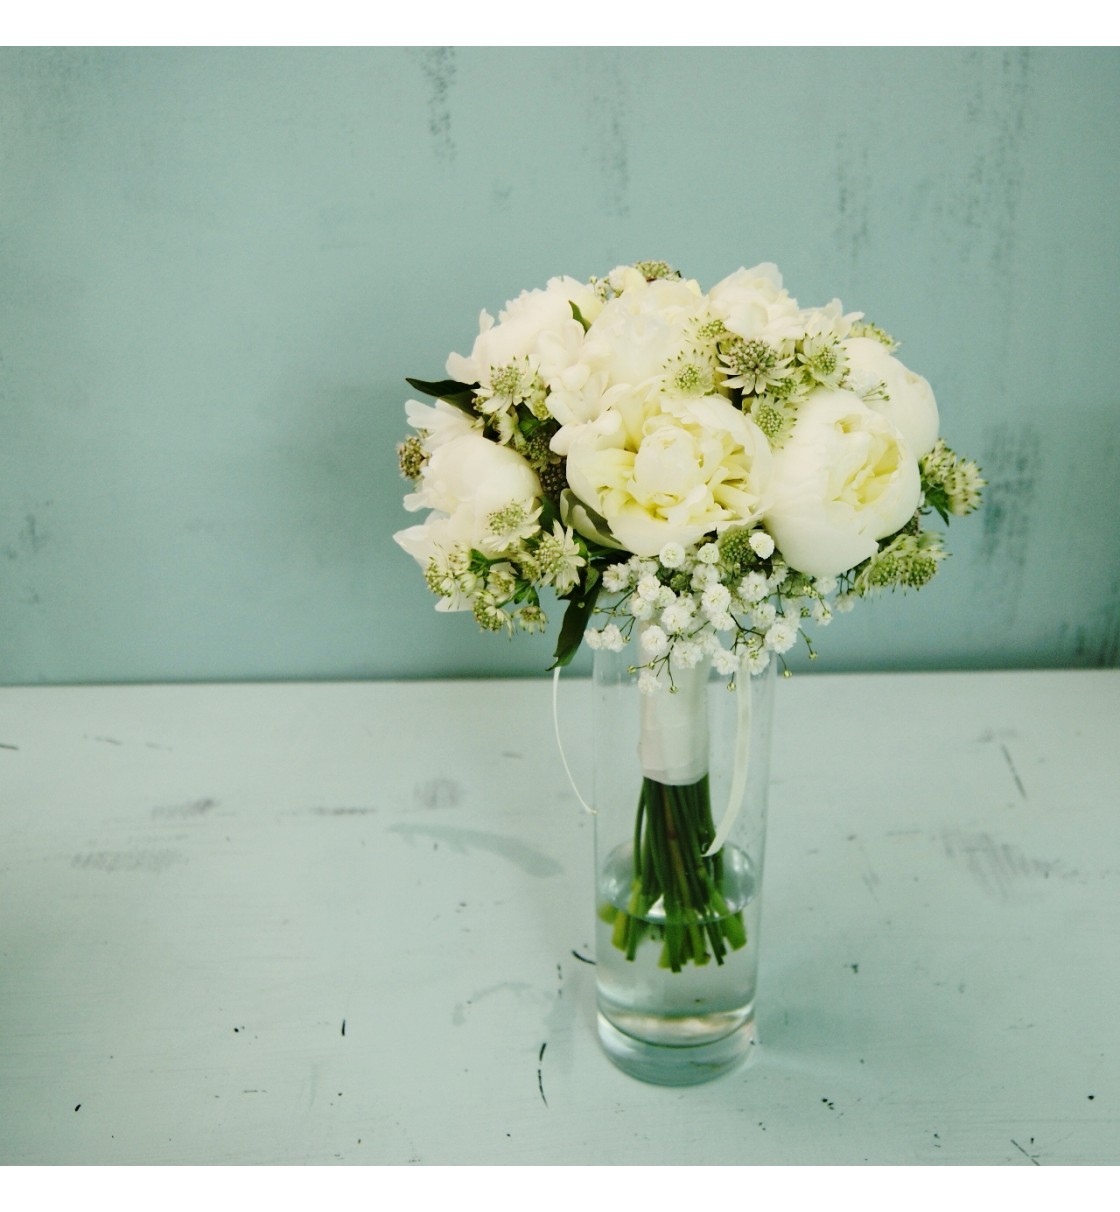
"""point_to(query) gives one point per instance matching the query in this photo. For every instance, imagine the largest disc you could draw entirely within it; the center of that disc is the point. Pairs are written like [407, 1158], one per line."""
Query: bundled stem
[675, 894]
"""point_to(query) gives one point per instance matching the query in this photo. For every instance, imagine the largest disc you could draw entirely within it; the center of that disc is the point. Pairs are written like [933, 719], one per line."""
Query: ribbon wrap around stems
[673, 746]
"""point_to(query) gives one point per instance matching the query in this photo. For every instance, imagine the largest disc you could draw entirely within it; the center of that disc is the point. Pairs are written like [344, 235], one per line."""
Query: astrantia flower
[558, 558]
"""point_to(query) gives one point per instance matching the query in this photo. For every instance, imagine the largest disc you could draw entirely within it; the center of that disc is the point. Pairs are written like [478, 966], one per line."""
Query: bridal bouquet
[709, 470]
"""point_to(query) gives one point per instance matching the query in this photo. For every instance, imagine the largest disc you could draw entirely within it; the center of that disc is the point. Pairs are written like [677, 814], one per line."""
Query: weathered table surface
[352, 923]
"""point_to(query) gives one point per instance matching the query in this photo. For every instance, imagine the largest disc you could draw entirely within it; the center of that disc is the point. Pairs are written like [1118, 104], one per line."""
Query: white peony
[911, 406]
[844, 479]
[753, 304]
[662, 470]
[538, 325]
[628, 345]
[465, 482]
[438, 422]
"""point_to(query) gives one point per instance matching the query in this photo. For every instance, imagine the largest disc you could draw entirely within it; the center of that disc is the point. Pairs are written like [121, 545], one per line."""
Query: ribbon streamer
[560, 744]
[742, 758]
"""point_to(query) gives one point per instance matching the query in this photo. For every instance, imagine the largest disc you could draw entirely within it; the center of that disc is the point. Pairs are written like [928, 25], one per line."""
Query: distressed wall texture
[217, 266]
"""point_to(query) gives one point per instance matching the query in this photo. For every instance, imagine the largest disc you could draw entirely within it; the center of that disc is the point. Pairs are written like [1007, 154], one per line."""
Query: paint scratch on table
[1029, 1156]
[1014, 772]
[463, 841]
[540, 1077]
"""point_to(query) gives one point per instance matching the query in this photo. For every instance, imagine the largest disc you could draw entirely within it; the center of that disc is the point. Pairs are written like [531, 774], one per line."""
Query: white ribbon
[742, 756]
[560, 744]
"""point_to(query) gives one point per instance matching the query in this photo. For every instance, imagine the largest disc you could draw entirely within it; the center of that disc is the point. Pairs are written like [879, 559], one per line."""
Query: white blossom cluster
[730, 602]
[712, 458]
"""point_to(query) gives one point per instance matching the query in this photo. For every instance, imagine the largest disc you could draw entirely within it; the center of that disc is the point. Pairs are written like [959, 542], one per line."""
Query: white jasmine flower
[781, 636]
[654, 640]
[761, 544]
[671, 555]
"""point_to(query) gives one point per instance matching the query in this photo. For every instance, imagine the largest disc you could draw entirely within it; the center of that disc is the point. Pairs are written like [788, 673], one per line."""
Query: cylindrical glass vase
[680, 789]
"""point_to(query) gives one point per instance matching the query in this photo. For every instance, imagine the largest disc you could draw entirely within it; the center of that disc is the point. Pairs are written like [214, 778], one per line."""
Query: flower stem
[676, 894]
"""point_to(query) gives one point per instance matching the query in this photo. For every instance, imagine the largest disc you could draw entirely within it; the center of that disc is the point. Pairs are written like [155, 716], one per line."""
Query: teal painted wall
[217, 266]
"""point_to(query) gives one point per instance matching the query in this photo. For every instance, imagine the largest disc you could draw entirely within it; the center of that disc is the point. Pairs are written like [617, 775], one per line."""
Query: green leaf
[461, 395]
[578, 315]
[580, 606]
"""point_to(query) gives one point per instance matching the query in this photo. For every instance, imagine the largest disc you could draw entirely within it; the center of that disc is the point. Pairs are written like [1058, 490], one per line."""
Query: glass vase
[679, 791]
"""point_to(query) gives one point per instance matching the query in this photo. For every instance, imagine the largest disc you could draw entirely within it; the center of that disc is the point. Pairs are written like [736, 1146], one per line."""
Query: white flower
[704, 575]
[625, 350]
[708, 554]
[438, 422]
[725, 662]
[521, 330]
[593, 639]
[754, 587]
[753, 304]
[612, 638]
[844, 479]
[822, 615]
[909, 403]
[649, 682]
[654, 640]
[466, 482]
[756, 660]
[558, 558]
[649, 587]
[825, 585]
[715, 599]
[616, 578]
[686, 654]
[763, 615]
[640, 608]
[781, 636]
[671, 555]
[844, 603]
[722, 621]
[670, 470]
[676, 617]
[471, 472]
[761, 544]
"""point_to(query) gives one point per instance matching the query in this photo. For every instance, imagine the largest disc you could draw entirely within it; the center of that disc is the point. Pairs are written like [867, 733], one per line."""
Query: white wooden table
[352, 923]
